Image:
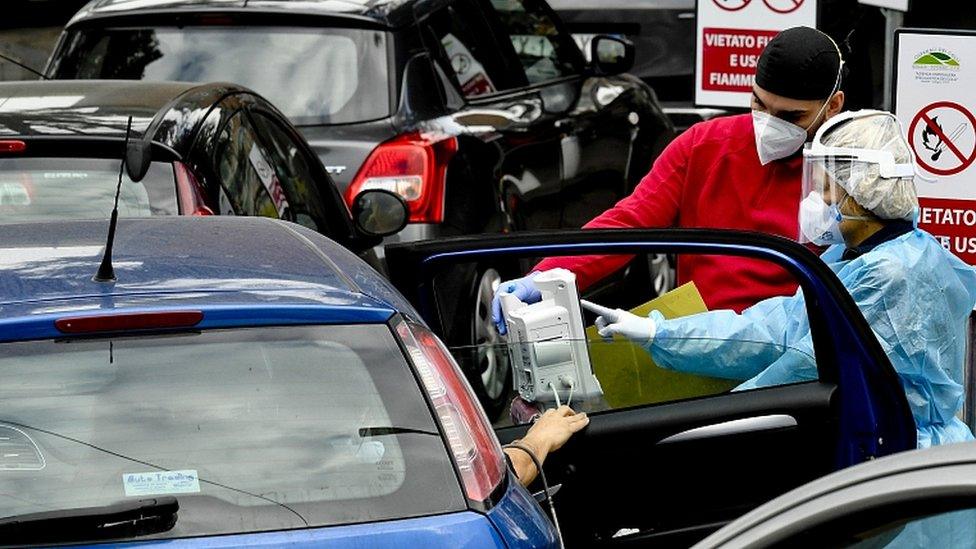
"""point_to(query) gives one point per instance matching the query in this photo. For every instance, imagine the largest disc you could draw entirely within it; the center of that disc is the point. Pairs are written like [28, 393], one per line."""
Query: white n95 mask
[776, 138]
[819, 222]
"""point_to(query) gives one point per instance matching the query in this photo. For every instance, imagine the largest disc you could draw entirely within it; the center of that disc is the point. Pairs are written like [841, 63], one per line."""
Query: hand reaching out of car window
[548, 434]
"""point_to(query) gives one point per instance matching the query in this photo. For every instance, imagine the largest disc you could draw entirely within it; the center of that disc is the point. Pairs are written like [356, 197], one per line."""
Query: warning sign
[730, 58]
[939, 149]
[953, 223]
[935, 98]
[731, 36]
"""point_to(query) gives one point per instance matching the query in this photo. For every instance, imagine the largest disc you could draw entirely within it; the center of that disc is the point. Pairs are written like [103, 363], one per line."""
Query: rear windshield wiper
[384, 431]
[119, 520]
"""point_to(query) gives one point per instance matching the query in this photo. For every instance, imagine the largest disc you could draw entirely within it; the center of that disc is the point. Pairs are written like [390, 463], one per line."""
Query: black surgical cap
[799, 63]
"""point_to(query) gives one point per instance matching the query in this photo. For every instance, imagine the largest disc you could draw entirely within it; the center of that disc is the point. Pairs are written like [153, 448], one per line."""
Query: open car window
[709, 339]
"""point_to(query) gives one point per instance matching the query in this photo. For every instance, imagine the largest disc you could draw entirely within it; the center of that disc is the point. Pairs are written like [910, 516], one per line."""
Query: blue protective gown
[915, 295]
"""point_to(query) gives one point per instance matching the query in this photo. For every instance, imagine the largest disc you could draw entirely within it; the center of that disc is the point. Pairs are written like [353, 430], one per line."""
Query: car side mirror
[138, 156]
[379, 212]
[611, 55]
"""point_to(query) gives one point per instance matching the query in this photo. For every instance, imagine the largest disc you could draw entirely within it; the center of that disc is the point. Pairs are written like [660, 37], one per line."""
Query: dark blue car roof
[184, 261]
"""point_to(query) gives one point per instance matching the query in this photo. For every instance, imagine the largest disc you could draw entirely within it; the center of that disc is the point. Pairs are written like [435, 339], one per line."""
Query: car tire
[491, 372]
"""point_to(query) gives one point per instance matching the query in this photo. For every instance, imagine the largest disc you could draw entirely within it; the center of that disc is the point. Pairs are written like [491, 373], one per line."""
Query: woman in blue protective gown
[859, 198]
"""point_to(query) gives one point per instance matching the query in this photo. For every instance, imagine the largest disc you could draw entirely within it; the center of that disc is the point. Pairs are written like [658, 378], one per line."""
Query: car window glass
[705, 344]
[293, 67]
[544, 52]
[955, 528]
[250, 184]
[465, 42]
[292, 167]
[34, 189]
[250, 429]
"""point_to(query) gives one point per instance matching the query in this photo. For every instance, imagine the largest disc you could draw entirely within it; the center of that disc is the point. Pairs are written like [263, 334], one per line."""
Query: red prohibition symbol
[783, 6]
[926, 116]
[732, 5]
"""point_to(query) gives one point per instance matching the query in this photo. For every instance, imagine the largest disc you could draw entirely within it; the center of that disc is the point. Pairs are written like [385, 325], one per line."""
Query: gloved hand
[522, 288]
[619, 321]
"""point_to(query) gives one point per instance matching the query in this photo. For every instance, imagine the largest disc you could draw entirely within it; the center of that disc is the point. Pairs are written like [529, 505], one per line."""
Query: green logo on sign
[936, 58]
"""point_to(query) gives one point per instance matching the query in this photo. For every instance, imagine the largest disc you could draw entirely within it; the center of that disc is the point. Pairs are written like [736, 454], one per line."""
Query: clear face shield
[821, 198]
[834, 175]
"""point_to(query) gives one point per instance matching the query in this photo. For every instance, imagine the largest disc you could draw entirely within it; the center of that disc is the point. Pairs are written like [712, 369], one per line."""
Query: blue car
[243, 382]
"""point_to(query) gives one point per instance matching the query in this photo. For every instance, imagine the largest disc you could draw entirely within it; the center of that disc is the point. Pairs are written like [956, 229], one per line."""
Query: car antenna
[25, 67]
[106, 273]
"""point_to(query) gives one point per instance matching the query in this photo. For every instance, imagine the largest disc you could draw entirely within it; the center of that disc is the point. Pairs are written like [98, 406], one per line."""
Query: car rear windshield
[249, 429]
[313, 75]
[34, 189]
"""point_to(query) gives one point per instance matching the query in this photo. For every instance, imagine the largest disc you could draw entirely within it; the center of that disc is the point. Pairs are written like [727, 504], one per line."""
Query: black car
[663, 32]
[482, 115]
[215, 149]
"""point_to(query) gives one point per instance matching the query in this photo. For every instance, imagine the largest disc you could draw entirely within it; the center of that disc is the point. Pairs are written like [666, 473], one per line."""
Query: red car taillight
[412, 166]
[472, 441]
[190, 192]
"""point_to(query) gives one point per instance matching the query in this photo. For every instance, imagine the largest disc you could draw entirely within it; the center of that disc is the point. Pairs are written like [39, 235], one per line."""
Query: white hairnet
[887, 198]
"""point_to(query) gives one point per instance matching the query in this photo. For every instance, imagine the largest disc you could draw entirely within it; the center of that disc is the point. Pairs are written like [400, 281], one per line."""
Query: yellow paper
[627, 372]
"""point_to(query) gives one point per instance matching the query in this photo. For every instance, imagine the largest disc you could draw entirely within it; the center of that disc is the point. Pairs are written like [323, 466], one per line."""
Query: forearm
[523, 465]
[719, 344]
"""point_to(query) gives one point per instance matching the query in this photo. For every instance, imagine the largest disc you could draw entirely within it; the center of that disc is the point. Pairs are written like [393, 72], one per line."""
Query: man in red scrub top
[736, 172]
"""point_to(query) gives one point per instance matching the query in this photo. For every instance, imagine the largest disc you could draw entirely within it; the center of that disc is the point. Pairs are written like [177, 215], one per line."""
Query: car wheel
[493, 375]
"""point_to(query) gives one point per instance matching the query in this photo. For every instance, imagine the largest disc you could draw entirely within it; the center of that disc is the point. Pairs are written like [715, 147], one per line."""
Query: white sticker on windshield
[161, 483]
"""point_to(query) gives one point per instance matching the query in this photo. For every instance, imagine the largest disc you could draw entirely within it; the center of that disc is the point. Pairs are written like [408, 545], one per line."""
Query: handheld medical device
[547, 342]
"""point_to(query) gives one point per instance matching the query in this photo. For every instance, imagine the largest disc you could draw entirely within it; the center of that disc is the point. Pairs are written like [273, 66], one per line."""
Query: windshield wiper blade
[383, 431]
[123, 519]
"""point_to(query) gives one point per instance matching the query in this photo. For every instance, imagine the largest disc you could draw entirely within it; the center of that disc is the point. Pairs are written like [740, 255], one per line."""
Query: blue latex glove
[522, 288]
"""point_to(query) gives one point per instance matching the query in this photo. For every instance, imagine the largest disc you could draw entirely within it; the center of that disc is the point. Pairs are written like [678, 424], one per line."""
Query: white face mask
[819, 222]
[776, 138]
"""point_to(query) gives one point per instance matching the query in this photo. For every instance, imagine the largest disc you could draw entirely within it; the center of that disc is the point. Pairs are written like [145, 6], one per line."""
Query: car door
[524, 122]
[923, 498]
[596, 115]
[669, 456]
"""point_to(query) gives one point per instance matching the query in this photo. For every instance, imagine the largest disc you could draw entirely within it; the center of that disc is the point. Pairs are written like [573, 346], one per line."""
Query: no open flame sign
[935, 100]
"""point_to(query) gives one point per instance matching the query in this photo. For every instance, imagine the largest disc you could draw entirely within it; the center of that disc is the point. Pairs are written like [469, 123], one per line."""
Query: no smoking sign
[778, 6]
[943, 137]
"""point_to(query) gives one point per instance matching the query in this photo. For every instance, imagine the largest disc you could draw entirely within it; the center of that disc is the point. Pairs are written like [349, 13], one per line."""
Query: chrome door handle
[734, 427]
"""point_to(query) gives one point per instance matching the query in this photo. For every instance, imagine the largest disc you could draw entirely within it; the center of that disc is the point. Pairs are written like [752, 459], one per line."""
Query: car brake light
[190, 192]
[413, 166]
[472, 441]
[12, 146]
[128, 321]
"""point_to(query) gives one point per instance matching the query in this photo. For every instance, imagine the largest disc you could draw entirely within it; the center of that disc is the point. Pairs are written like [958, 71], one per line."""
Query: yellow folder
[627, 372]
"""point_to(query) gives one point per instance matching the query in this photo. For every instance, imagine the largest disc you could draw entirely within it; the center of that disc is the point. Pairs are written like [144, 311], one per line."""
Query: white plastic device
[547, 342]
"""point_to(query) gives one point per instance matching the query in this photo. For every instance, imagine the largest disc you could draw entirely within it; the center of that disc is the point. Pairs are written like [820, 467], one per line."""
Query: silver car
[921, 498]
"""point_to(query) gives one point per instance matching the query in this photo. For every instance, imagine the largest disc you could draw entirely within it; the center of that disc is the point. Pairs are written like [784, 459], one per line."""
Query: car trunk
[343, 148]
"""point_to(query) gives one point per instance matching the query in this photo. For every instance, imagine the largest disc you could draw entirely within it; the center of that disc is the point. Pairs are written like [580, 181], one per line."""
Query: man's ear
[836, 104]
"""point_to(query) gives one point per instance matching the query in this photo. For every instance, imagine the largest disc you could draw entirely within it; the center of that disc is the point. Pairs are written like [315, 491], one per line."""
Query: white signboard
[900, 5]
[935, 99]
[731, 35]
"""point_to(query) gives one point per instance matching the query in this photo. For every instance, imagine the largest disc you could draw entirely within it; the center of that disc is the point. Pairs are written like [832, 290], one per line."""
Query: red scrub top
[708, 177]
